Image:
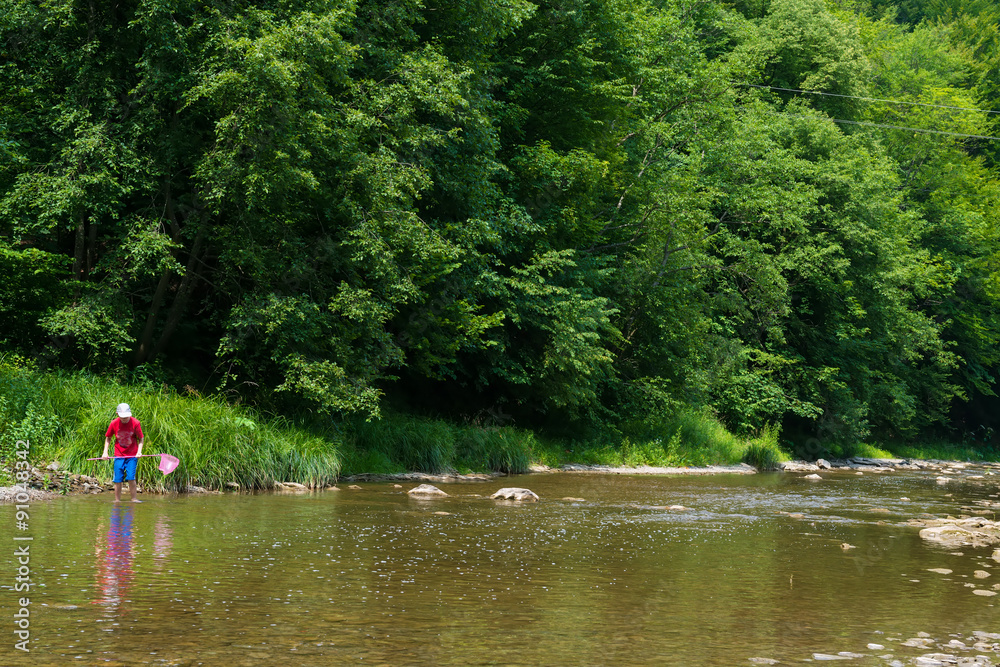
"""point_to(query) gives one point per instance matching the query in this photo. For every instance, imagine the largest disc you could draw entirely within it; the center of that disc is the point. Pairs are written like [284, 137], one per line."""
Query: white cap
[123, 410]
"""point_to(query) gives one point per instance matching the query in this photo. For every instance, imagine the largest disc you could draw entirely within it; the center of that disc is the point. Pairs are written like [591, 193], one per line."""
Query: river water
[599, 572]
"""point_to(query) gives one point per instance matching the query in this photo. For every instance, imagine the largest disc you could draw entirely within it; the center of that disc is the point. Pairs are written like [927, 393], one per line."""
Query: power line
[892, 127]
[867, 99]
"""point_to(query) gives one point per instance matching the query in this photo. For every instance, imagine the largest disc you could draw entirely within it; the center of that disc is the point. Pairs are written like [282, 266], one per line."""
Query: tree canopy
[565, 211]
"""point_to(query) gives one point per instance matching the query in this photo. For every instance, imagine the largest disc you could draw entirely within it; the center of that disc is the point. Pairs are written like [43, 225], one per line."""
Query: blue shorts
[125, 469]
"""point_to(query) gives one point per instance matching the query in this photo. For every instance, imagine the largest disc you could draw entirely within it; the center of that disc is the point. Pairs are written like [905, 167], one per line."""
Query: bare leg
[131, 490]
[118, 492]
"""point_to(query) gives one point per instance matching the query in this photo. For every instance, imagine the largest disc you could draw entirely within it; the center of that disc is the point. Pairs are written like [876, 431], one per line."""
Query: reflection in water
[162, 541]
[114, 559]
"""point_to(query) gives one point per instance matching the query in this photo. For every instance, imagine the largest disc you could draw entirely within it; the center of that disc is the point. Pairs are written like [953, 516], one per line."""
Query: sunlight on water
[601, 571]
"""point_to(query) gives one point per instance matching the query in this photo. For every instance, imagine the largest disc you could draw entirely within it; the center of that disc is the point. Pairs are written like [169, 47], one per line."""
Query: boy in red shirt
[128, 447]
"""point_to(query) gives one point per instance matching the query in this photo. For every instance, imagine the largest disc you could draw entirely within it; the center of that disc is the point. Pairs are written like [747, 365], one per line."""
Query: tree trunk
[78, 250]
[179, 305]
[146, 342]
[91, 249]
[142, 352]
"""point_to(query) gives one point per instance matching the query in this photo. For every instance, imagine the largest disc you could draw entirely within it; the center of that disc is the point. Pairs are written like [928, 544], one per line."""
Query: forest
[581, 218]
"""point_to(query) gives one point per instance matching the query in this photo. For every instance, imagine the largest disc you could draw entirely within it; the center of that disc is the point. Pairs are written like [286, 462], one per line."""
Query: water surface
[600, 572]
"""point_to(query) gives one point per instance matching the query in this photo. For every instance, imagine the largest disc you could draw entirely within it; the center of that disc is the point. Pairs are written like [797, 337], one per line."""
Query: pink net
[168, 463]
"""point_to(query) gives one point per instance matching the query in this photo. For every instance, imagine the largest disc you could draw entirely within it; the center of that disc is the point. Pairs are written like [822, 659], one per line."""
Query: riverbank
[224, 446]
[52, 482]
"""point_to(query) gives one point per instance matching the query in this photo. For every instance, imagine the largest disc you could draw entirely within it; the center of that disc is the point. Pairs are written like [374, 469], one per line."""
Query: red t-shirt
[127, 436]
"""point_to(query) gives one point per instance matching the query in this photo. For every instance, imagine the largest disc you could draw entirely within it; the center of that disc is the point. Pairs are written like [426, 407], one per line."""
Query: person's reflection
[114, 559]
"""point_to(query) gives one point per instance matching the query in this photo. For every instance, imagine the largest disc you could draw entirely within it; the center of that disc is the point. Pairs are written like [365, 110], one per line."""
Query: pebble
[983, 592]
[939, 570]
[875, 647]
[916, 642]
[981, 574]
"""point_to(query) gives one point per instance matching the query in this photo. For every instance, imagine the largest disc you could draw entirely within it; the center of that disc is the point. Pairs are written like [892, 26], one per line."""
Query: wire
[892, 127]
[867, 99]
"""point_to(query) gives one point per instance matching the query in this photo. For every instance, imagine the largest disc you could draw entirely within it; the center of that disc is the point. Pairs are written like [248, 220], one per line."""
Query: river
[599, 572]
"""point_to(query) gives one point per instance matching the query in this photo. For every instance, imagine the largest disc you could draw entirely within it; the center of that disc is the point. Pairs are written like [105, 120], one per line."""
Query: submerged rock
[917, 642]
[426, 490]
[972, 531]
[935, 659]
[514, 493]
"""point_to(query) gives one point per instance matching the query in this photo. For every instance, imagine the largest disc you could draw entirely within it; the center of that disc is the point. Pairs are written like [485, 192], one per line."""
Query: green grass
[763, 452]
[931, 450]
[65, 415]
[400, 443]
[688, 438]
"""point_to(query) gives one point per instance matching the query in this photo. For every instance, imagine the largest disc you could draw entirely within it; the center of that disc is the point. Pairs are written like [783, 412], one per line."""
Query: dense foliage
[593, 213]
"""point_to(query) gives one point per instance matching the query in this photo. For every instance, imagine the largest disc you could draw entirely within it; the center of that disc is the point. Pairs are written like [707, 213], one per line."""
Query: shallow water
[374, 576]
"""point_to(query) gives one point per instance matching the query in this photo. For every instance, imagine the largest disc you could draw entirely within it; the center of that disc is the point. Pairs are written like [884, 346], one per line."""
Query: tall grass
[25, 413]
[685, 438]
[503, 449]
[217, 444]
[397, 443]
[764, 452]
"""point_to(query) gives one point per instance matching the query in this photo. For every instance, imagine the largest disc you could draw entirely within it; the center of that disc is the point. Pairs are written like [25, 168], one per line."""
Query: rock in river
[426, 491]
[514, 493]
[972, 531]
